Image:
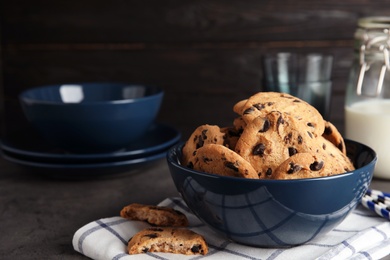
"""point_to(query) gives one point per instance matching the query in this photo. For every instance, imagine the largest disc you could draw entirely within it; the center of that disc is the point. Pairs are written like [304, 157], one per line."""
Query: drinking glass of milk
[367, 106]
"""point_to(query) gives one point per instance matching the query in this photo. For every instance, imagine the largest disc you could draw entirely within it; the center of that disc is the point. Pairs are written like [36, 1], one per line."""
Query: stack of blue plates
[48, 160]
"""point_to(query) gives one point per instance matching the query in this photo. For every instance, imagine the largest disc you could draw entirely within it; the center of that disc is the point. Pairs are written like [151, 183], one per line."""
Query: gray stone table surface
[39, 215]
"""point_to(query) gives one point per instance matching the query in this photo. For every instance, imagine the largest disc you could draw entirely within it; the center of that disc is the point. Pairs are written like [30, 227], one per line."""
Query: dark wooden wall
[205, 54]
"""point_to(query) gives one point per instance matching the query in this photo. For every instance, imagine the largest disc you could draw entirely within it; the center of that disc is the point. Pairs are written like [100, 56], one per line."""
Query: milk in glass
[367, 106]
[369, 123]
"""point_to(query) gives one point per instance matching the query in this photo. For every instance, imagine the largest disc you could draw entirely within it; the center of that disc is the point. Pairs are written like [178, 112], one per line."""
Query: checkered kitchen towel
[362, 235]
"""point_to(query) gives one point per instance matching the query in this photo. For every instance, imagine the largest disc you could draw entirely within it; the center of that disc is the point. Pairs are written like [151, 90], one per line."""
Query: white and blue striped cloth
[362, 235]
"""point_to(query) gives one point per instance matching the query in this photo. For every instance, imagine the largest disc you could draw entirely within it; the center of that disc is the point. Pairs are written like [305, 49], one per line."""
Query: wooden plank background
[205, 54]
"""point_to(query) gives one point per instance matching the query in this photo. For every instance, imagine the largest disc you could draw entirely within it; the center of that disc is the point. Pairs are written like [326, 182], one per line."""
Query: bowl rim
[175, 163]
[28, 100]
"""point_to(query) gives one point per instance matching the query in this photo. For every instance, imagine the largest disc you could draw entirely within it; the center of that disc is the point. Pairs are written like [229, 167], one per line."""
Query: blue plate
[86, 170]
[158, 138]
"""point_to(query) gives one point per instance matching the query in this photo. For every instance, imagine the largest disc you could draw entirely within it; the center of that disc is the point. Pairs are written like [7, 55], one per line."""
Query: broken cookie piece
[155, 215]
[167, 240]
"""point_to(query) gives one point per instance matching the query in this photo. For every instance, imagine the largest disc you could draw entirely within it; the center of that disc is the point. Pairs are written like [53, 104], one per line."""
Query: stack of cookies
[168, 234]
[275, 136]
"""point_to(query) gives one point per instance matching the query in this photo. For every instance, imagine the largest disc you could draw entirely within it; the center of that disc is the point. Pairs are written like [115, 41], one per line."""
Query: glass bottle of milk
[367, 106]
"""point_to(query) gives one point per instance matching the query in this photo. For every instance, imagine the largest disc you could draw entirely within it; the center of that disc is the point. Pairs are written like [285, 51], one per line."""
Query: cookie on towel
[167, 240]
[155, 215]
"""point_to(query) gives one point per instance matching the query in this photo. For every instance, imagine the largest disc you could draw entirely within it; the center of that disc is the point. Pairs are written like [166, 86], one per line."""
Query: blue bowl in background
[92, 117]
[273, 213]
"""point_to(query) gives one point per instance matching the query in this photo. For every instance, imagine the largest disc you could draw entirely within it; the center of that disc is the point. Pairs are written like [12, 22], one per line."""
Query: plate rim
[176, 136]
[75, 166]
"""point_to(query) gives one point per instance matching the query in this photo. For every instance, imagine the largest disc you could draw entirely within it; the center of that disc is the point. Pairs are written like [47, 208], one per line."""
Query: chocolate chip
[201, 139]
[328, 131]
[259, 106]
[153, 235]
[232, 132]
[190, 165]
[324, 146]
[310, 124]
[145, 250]
[249, 110]
[292, 151]
[270, 103]
[196, 248]
[316, 166]
[231, 165]
[265, 127]
[268, 172]
[311, 136]
[288, 138]
[300, 139]
[156, 229]
[207, 160]
[259, 149]
[340, 146]
[294, 168]
[280, 121]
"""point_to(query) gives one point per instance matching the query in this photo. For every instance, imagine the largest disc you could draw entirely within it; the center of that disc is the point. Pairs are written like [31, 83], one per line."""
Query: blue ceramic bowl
[92, 117]
[273, 213]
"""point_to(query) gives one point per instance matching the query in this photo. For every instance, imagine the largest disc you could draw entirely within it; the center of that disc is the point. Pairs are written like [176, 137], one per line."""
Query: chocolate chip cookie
[339, 161]
[204, 134]
[167, 240]
[219, 159]
[262, 103]
[271, 137]
[333, 135]
[301, 165]
[154, 215]
[326, 161]
[267, 141]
